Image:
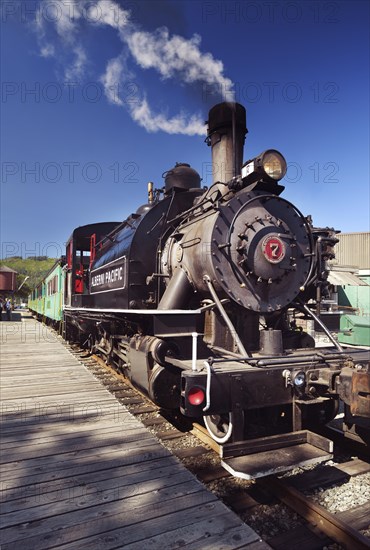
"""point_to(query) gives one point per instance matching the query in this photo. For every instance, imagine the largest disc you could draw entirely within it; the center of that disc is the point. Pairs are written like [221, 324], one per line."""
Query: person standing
[8, 309]
[1, 308]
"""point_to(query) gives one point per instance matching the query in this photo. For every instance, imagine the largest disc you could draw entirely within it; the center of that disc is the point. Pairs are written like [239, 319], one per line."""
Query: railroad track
[191, 443]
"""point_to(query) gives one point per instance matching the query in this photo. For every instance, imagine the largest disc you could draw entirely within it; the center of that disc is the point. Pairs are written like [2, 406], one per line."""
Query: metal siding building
[353, 249]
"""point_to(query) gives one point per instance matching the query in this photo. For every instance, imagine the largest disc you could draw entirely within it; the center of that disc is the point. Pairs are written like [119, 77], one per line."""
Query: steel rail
[316, 515]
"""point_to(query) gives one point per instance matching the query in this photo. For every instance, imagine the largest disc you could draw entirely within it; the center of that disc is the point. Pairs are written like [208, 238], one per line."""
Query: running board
[275, 454]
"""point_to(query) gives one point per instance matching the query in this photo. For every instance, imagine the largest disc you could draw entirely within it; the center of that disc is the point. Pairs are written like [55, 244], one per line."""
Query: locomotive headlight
[299, 379]
[270, 165]
[274, 164]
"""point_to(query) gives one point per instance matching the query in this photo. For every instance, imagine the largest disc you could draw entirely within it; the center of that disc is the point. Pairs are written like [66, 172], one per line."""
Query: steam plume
[173, 57]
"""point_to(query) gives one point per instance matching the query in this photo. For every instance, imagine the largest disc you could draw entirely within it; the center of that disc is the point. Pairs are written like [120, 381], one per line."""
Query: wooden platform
[79, 472]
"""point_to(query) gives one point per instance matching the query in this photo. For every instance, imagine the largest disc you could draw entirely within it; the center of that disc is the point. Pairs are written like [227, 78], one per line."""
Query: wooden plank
[354, 467]
[192, 451]
[49, 445]
[169, 434]
[19, 489]
[144, 409]
[39, 392]
[239, 537]
[75, 408]
[100, 396]
[62, 372]
[145, 533]
[358, 518]
[243, 501]
[117, 464]
[119, 487]
[153, 421]
[126, 496]
[195, 534]
[322, 477]
[152, 526]
[48, 355]
[27, 439]
[45, 382]
[63, 413]
[325, 475]
[30, 403]
[61, 367]
[67, 416]
[101, 461]
[92, 441]
[210, 473]
[73, 426]
[131, 400]
[61, 417]
[76, 525]
[202, 434]
[300, 537]
[83, 455]
[257, 545]
[123, 393]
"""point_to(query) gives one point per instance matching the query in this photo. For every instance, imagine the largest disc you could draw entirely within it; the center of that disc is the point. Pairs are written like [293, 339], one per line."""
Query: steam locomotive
[198, 298]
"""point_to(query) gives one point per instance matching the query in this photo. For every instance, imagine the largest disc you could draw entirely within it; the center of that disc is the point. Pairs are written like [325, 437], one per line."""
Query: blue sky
[98, 98]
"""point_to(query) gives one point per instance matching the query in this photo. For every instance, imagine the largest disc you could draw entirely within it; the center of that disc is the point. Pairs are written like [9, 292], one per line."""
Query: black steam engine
[197, 298]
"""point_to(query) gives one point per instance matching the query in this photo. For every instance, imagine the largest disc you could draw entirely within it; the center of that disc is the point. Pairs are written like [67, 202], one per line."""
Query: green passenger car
[47, 298]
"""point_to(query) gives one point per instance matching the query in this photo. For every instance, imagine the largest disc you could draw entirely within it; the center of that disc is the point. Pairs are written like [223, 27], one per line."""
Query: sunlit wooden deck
[79, 472]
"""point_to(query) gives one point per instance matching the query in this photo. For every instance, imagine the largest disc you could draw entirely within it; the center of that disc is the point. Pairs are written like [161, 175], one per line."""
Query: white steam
[173, 57]
[76, 70]
[177, 57]
[47, 50]
[114, 74]
[179, 124]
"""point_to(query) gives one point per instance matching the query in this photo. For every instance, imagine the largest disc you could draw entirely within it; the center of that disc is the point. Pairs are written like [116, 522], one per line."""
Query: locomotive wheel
[321, 414]
[219, 426]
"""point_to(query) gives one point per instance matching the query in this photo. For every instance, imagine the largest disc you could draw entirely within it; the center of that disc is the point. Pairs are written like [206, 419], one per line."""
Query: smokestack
[226, 135]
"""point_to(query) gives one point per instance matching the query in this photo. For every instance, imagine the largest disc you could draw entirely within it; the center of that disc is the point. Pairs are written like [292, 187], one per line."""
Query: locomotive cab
[80, 249]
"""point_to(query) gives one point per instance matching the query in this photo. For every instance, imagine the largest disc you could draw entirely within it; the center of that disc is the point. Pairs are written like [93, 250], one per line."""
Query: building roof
[5, 269]
[341, 276]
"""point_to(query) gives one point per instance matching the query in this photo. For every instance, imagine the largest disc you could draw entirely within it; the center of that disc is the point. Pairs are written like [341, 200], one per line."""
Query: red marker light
[196, 396]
